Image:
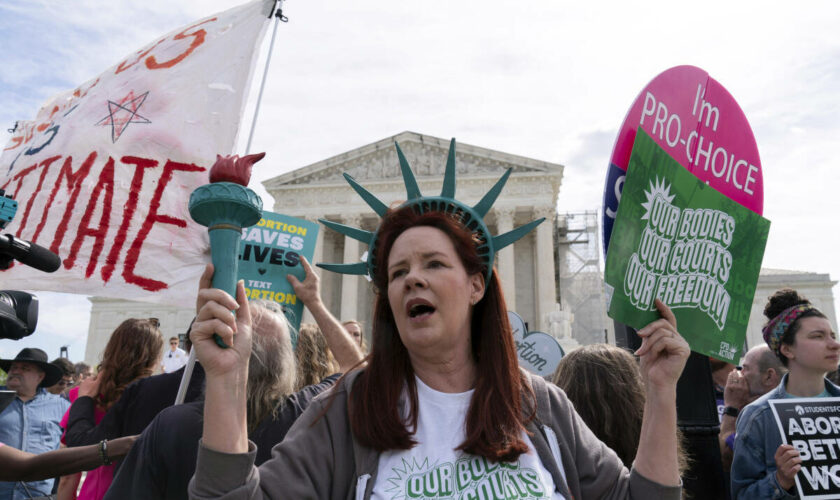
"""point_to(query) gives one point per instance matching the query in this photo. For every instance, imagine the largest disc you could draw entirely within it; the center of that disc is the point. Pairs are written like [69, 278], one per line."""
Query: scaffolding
[579, 276]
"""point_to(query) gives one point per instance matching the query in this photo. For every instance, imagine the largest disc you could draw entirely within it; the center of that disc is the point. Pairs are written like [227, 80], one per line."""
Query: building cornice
[426, 154]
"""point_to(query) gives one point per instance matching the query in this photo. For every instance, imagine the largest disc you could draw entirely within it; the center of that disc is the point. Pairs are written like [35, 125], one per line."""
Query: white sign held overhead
[104, 172]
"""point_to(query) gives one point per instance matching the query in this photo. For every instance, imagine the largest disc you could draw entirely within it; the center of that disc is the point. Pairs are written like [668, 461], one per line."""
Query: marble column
[505, 256]
[545, 289]
[350, 282]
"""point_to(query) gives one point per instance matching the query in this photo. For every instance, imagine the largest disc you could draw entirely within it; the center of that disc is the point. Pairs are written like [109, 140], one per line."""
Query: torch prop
[224, 206]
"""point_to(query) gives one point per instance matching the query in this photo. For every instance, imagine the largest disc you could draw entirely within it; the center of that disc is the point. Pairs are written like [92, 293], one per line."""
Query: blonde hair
[315, 361]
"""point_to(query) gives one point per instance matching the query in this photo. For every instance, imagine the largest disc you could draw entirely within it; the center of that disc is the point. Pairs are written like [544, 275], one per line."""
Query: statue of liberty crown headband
[471, 217]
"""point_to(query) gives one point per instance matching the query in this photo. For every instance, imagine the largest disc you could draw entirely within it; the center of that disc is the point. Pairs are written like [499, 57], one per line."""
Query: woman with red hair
[441, 409]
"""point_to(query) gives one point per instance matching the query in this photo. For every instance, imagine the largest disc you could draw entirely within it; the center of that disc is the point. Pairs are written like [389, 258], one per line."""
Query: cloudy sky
[547, 80]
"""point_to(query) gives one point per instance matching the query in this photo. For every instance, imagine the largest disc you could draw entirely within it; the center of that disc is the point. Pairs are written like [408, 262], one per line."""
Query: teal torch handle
[224, 208]
[224, 250]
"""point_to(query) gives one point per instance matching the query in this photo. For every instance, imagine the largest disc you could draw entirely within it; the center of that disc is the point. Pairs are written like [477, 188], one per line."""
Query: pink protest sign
[692, 117]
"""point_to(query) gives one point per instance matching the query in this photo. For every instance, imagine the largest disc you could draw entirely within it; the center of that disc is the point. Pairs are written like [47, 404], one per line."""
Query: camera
[18, 314]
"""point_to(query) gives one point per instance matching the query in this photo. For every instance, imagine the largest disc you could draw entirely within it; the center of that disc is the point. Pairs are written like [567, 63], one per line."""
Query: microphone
[31, 254]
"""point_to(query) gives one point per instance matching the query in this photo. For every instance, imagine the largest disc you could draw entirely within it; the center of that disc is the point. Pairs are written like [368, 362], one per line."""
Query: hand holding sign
[664, 352]
[272, 251]
[788, 463]
[678, 240]
[809, 456]
[308, 290]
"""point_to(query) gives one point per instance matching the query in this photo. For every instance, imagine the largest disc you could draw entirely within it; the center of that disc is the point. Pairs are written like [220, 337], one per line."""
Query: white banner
[104, 173]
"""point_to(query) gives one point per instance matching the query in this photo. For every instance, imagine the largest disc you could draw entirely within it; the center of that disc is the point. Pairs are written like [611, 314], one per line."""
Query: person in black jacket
[134, 410]
[163, 460]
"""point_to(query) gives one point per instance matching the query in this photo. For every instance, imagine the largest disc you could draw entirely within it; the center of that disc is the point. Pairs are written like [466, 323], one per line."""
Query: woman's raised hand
[214, 316]
[664, 352]
[89, 387]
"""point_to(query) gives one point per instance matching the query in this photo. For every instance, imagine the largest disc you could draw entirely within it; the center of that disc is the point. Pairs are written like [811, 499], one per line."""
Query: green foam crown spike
[448, 190]
[483, 206]
[355, 233]
[412, 191]
[471, 217]
[372, 201]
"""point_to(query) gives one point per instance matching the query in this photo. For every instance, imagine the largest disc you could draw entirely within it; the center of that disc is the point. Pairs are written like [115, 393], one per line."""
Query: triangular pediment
[425, 154]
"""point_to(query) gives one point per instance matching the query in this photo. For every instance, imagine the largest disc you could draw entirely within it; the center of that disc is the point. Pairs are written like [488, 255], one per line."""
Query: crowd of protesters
[441, 385]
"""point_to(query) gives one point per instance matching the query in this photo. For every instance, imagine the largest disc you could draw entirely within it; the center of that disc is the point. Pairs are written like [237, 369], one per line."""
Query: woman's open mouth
[419, 309]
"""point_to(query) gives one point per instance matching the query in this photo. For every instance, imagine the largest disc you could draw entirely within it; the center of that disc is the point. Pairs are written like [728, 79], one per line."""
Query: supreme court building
[320, 191]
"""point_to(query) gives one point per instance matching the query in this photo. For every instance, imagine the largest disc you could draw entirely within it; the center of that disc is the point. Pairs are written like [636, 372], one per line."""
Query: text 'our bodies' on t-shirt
[435, 469]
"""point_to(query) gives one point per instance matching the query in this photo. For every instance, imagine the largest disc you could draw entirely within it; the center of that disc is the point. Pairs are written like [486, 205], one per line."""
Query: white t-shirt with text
[434, 469]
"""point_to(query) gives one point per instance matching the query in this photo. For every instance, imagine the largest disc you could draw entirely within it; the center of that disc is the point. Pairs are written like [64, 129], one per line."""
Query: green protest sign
[269, 251]
[677, 239]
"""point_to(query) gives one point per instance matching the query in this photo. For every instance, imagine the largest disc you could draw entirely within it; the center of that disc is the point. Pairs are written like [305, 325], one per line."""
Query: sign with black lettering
[538, 352]
[812, 426]
[269, 251]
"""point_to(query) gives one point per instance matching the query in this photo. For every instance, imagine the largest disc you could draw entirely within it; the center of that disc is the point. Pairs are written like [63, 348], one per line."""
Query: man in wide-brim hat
[37, 372]
[31, 421]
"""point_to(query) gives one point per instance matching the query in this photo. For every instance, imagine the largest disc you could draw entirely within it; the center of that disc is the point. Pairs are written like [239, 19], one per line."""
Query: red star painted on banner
[124, 112]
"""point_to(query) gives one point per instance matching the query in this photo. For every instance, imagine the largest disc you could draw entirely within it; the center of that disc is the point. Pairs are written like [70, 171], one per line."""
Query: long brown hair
[605, 387]
[133, 351]
[604, 384]
[495, 418]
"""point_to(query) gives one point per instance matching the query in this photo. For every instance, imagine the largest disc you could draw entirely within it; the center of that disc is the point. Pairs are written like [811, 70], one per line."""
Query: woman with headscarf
[802, 338]
[441, 410]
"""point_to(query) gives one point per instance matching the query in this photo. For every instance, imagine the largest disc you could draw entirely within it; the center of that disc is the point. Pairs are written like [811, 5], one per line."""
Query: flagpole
[278, 13]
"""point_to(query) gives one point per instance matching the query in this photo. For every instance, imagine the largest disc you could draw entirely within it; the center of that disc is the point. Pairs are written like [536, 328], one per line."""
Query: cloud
[586, 170]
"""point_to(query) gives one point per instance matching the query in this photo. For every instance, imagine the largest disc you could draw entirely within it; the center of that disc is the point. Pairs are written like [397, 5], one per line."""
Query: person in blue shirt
[31, 421]
[804, 341]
